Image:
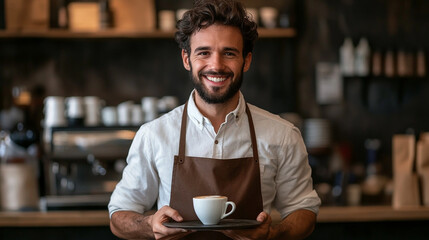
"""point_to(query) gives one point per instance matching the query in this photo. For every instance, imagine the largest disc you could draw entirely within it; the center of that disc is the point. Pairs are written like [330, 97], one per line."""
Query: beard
[216, 97]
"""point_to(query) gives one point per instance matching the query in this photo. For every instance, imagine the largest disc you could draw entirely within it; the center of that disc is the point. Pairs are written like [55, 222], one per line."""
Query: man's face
[216, 62]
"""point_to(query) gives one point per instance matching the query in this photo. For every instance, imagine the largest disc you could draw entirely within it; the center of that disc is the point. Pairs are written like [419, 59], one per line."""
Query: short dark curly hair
[208, 12]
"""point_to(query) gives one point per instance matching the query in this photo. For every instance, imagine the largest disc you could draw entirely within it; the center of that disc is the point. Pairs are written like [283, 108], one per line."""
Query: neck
[216, 113]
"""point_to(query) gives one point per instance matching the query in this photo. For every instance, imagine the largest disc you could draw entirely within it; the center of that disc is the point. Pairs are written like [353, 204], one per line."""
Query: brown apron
[238, 179]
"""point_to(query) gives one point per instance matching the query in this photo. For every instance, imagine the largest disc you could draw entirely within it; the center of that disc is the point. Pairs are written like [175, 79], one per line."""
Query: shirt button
[216, 141]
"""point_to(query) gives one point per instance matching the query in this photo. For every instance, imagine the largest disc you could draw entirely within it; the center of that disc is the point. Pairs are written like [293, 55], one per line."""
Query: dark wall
[372, 107]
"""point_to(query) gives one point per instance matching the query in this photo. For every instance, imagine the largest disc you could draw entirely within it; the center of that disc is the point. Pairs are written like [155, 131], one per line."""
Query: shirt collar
[199, 119]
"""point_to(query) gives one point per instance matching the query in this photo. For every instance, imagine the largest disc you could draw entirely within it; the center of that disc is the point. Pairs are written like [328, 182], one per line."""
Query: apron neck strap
[252, 134]
[182, 143]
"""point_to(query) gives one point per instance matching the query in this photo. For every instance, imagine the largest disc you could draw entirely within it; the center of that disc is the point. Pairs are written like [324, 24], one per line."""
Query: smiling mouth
[217, 78]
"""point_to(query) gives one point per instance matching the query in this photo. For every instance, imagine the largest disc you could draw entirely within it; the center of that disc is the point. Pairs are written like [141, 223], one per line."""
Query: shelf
[93, 35]
[263, 33]
[386, 78]
[277, 33]
[372, 214]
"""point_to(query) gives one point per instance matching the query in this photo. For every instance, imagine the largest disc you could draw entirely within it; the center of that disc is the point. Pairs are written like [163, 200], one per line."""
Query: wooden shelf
[277, 33]
[263, 33]
[101, 218]
[372, 214]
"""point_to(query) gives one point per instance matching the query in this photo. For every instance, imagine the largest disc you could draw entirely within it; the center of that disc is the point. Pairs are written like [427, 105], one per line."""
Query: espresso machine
[82, 165]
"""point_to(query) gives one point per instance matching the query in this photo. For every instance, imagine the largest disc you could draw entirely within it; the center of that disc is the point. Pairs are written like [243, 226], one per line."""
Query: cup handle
[226, 207]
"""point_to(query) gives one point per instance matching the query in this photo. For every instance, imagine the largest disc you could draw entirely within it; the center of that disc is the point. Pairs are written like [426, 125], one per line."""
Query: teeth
[216, 79]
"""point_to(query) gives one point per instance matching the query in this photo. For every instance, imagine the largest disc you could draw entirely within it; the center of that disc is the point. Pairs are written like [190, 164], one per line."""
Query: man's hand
[132, 225]
[261, 232]
[164, 215]
[297, 225]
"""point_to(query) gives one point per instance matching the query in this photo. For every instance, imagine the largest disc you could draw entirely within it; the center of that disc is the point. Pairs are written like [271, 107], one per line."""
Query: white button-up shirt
[286, 182]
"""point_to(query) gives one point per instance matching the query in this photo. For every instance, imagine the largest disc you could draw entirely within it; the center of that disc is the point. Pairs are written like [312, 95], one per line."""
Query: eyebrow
[224, 49]
[202, 49]
[231, 49]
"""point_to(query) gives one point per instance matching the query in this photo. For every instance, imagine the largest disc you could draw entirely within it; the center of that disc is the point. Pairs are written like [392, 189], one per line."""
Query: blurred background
[79, 77]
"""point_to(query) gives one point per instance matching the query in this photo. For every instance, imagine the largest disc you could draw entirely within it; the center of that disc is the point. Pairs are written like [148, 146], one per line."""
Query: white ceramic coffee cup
[124, 113]
[75, 110]
[54, 110]
[137, 115]
[109, 116]
[93, 106]
[211, 209]
[75, 107]
[150, 108]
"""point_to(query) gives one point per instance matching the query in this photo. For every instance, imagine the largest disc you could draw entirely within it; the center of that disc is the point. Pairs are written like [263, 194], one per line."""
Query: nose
[217, 62]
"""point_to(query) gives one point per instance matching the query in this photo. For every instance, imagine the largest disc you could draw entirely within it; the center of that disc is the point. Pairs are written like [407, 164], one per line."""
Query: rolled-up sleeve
[138, 189]
[293, 179]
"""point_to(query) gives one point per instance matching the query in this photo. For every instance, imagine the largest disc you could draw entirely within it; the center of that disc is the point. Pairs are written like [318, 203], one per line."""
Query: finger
[266, 218]
[164, 215]
[172, 213]
[262, 217]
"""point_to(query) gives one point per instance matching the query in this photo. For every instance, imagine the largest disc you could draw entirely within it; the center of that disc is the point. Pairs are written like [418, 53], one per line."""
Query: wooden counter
[54, 219]
[101, 218]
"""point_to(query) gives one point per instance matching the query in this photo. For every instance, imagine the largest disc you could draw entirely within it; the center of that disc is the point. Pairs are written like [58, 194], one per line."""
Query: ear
[247, 61]
[185, 59]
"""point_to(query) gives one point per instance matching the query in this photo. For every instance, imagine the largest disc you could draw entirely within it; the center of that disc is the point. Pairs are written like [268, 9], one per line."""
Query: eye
[206, 53]
[230, 54]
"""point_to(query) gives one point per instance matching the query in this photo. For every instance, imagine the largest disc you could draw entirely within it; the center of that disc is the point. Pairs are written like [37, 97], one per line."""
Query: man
[216, 144]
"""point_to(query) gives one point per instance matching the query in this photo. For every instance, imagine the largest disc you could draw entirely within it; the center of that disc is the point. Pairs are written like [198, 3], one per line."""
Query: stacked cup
[54, 117]
[75, 111]
[54, 112]
[150, 108]
[167, 103]
[109, 116]
[93, 107]
[124, 113]
[137, 115]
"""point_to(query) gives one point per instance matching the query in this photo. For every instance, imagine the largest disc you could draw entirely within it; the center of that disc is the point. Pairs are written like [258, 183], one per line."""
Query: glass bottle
[347, 58]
